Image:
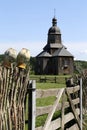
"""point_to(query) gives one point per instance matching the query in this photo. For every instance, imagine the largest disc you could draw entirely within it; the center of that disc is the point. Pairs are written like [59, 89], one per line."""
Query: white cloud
[85, 51]
[78, 49]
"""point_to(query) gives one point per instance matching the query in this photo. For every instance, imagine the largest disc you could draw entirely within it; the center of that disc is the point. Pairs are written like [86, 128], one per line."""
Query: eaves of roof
[44, 54]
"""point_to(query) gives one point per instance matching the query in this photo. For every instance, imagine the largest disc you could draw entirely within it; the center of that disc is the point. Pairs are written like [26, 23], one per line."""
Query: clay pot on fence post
[10, 56]
[23, 58]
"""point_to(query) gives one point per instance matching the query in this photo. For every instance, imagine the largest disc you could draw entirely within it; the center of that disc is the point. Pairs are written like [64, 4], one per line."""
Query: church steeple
[54, 38]
[54, 34]
[54, 21]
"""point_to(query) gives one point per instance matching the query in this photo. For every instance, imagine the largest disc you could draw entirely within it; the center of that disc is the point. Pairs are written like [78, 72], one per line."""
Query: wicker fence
[13, 88]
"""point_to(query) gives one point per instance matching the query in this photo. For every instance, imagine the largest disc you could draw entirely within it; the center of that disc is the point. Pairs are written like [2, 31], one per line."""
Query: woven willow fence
[13, 87]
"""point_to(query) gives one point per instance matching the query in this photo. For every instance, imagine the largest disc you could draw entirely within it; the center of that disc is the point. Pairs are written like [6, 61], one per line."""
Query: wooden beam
[73, 89]
[63, 108]
[73, 109]
[40, 93]
[50, 115]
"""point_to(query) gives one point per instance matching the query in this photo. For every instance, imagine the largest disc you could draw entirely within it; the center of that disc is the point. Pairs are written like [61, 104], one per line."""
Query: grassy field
[49, 85]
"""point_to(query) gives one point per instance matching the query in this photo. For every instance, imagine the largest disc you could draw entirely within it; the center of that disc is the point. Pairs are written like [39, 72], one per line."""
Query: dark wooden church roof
[53, 45]
[62, 52]
[44, 54]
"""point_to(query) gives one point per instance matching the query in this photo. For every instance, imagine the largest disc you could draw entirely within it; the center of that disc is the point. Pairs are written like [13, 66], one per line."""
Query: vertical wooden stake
[32, 105]
[62, 115]
[81, 102]
[55, 79]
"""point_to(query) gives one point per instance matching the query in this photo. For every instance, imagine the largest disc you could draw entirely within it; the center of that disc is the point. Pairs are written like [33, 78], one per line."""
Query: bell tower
[54, 33]
[54, 38]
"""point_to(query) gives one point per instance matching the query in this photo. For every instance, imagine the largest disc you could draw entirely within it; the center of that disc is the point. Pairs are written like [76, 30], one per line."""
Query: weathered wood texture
[74, 127]
[63, 102]
[13, 88]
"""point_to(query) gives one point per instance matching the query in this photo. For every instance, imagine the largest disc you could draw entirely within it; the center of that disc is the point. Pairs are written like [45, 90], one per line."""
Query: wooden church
[55, 59]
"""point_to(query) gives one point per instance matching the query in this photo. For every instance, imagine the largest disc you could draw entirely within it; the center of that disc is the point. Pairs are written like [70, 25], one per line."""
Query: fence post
[32, 105]
[81, 102]
[45, 79]
[55, 79]
[63, 110]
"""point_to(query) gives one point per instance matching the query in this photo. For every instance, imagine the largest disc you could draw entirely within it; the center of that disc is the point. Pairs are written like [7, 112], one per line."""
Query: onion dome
[10, 56]
[54, 29]
[23, 58]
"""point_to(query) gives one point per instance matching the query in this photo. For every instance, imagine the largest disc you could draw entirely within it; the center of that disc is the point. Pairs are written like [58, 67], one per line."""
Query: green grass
[40, 120]
[49, 85]
[45, 101]
[26, 127]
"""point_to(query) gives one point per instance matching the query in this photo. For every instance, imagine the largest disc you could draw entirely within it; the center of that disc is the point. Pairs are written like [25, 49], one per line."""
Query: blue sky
[25, 24]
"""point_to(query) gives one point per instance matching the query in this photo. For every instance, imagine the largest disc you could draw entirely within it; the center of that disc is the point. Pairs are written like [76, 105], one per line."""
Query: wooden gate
[67, 102]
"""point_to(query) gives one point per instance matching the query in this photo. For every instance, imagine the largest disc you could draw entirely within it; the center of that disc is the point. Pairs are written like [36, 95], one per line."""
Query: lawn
[49, 85]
